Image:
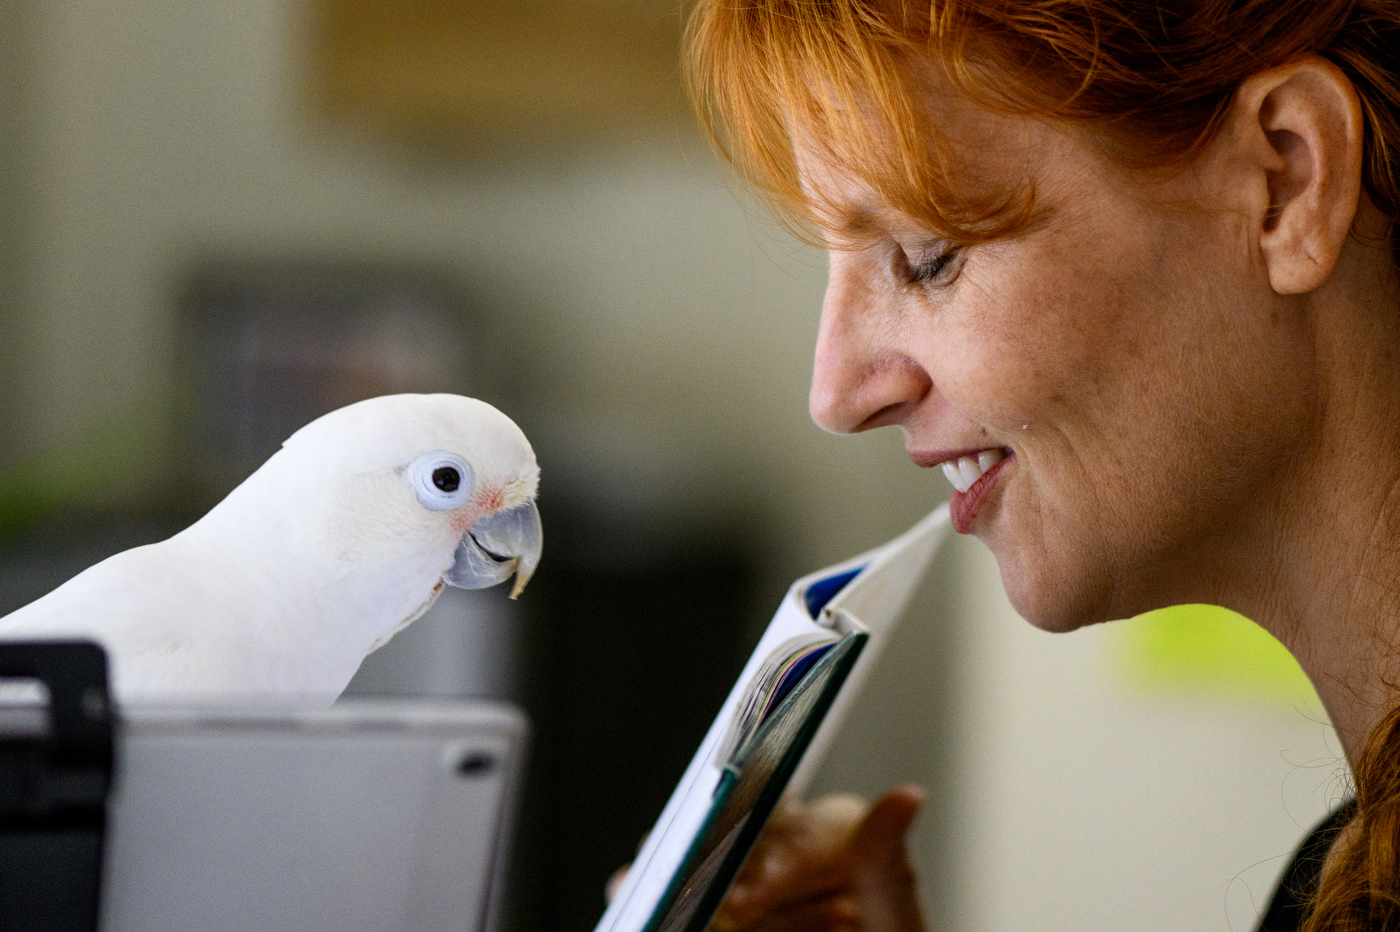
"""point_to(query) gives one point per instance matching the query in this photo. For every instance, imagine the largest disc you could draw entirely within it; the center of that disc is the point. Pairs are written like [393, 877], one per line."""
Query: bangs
[841, 81]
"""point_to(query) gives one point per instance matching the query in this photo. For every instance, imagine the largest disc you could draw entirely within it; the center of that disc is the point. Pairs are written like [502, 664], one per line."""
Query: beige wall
[669, 333]
[166, 132]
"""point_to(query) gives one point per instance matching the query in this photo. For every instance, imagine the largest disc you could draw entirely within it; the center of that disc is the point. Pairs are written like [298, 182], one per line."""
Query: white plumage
[342, 538]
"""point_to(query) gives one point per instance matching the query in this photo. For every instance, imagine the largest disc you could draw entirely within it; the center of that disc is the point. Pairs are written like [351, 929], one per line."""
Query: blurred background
[219, 220]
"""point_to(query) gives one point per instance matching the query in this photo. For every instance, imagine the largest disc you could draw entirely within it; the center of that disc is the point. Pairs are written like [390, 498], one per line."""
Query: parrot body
[341, 539]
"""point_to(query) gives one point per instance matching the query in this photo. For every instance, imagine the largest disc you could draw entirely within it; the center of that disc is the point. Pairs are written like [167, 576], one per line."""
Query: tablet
[368, 815]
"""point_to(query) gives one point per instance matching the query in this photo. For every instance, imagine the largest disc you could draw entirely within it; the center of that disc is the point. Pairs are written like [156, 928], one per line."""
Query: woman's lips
[972, 474]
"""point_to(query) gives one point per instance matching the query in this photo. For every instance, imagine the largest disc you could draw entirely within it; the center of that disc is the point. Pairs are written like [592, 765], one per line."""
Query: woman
[1127, 272]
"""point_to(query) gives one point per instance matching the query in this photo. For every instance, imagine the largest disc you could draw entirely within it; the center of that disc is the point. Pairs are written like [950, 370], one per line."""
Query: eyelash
[927, 273]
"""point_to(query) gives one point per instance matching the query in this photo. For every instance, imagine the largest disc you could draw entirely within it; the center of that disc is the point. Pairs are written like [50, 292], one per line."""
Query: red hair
[1360, 889]
[1153, 80]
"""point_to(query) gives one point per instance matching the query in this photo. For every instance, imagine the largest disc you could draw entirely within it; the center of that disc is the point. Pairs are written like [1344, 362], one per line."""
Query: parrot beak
[497, 546]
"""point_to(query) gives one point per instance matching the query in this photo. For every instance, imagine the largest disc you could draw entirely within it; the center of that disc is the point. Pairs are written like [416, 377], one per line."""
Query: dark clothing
[1299, 880]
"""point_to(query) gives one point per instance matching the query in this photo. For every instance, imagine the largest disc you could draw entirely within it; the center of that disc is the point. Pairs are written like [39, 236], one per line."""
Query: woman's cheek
[999, 384]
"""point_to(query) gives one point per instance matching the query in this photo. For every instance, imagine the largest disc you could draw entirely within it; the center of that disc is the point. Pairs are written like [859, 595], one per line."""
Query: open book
[771, 733]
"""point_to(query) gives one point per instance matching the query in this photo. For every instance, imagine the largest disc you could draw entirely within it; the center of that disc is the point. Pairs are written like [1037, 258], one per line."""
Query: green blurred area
[1209, 652]
[117, 464]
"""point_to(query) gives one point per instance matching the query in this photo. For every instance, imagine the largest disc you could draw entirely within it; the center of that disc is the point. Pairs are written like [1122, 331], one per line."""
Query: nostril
[880, 396]
[889, 414]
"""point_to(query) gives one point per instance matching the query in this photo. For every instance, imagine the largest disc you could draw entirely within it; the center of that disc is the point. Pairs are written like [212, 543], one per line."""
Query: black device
[55, 775]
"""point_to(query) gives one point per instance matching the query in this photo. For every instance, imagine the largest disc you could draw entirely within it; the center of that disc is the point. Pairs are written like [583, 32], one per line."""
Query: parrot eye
[447, 478]
[442, 481]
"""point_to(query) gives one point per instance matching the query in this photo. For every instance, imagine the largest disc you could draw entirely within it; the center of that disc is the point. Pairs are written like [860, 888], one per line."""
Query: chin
[1054, 602]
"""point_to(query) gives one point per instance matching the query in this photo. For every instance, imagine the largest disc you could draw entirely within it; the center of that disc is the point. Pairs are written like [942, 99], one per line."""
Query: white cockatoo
[341, 539]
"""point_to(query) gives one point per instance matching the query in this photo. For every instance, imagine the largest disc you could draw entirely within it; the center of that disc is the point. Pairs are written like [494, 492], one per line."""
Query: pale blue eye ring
[441, 480]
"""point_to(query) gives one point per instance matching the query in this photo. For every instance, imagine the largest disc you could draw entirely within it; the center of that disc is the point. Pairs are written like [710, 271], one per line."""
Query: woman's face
[1116, 389]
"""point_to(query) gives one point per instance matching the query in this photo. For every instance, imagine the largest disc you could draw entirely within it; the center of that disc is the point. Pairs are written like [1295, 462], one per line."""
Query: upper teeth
[965, 470]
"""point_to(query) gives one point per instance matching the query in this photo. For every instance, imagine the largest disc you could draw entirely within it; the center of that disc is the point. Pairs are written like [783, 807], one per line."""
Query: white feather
[316, 559]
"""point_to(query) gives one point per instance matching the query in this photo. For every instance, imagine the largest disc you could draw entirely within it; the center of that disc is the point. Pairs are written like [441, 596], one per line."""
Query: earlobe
[1304, 123]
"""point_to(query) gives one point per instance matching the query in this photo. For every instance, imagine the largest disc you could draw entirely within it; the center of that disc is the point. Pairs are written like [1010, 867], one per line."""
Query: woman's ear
[1301, 126]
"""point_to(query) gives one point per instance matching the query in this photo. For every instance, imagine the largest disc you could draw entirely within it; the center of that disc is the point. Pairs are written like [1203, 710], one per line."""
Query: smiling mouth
[964, 471]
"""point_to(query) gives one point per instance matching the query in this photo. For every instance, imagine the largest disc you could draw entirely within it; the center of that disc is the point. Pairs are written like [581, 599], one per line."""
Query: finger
[883, 875]
[836, 913]
[888, 819]
[801, 853]
[824, 824]
[614, 883]
[618, 876]
[746, 904]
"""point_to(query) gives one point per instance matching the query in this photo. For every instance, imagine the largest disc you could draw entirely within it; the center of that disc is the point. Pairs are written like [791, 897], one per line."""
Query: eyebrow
[856, 222]
[862, 219]
[864, 222]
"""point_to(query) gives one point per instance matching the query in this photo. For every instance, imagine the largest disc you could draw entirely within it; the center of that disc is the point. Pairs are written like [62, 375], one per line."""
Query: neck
[1340, 614]
[1324, 575]
[275, 539]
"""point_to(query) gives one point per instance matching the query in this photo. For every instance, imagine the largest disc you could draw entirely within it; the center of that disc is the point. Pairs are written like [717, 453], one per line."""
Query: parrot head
[424, 488]
[338, 541]
[504, 541]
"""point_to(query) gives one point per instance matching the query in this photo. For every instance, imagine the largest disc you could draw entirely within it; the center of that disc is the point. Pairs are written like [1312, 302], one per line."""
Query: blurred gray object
[465, 645]
[268, 347]
[377, 817]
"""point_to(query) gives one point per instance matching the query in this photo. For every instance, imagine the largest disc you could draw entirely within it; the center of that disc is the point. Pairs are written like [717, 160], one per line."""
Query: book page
[666, 846]
[877, 599]
[778, 675]
[867, 592]
[750, 788]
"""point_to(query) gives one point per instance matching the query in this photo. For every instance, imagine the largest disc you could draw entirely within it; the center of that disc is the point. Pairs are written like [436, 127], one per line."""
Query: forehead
[976, 170]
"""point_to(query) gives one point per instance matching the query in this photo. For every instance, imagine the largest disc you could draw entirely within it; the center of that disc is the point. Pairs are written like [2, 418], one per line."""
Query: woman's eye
[928, 271]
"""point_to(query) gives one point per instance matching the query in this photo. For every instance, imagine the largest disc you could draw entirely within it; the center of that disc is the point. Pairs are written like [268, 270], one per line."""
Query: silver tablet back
[366, 816]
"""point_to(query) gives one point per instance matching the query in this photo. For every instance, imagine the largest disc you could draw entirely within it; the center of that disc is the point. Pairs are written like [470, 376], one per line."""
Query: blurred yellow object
[1208, 651]
[464, 73]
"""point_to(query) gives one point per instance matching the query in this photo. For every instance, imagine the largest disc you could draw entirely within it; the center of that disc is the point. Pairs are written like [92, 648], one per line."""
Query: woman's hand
[837, 865]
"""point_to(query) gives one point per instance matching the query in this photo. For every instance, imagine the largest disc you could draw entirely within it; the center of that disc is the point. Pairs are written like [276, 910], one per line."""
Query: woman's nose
[861, 378]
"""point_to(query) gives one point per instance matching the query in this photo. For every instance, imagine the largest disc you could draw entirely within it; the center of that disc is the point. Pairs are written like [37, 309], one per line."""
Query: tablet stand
[54, 782]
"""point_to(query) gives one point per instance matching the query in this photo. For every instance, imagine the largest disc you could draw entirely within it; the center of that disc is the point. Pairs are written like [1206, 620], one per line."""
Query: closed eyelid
[925, 243]
[924, 250]
[935, 270]
[857, 226]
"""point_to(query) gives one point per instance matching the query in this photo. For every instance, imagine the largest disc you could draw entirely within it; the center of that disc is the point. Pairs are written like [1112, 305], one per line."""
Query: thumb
[884, 879]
